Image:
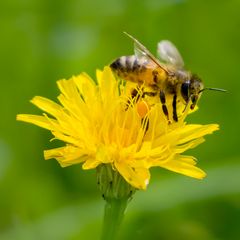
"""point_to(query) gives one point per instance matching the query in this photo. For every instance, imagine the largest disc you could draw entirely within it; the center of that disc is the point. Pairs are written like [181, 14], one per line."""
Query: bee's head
[191, 90]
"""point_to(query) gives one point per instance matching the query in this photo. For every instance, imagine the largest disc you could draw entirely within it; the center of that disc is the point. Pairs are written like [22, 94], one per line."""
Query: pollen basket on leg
[142, 108]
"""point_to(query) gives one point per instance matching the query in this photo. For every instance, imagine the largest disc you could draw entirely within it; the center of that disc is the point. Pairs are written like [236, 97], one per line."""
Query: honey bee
[164, 76]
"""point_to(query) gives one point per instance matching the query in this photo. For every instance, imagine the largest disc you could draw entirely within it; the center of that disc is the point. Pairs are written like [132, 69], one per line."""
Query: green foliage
[43, 41]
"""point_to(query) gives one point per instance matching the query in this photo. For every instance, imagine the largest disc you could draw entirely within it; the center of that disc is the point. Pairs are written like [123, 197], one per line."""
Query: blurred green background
[43, 41]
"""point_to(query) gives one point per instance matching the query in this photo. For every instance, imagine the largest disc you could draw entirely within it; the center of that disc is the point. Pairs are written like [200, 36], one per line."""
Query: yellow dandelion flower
[97, 128]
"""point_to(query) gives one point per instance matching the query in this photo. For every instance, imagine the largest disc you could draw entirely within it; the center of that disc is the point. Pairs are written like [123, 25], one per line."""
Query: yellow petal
[67, 155]
[47, 105]
[192, 144]
[87, 87]
[91, 163]
[137, 177]
[185, 166]
[147, 151]
[40, 121]
[54, 153]
[190, 132]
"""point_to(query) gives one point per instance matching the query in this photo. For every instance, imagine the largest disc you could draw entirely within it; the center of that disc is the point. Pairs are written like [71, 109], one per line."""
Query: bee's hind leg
[174, 105]
[145, 123]
[164, 107]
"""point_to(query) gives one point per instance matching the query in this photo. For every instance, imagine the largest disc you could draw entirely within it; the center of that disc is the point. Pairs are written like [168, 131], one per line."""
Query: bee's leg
[150, 94]
[163, 101]
[134, 96]
[145, 121]
[174, 105]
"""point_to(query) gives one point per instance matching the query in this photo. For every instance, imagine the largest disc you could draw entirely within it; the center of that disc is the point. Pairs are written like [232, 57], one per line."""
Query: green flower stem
[113, 216]
[117, 193]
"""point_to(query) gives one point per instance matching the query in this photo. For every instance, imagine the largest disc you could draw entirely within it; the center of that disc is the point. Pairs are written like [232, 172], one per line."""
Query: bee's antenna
[213, 89]
[129, 35]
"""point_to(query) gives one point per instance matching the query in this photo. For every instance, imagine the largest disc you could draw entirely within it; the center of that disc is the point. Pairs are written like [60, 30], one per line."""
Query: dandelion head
[100, 124]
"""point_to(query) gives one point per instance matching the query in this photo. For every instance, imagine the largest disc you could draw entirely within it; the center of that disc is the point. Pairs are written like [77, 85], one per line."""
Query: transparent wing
[142, 52]
[168, 53]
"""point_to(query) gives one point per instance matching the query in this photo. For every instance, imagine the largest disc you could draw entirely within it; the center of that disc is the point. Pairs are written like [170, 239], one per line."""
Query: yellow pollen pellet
[142, 108]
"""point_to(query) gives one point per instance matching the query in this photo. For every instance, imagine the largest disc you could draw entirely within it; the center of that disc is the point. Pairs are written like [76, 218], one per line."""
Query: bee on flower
[163, 78]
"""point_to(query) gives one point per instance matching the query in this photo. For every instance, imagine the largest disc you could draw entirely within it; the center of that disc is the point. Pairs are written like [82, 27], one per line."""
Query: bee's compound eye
[185, 90]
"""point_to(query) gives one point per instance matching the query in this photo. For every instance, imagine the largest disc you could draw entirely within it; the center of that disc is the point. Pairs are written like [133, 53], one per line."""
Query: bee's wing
[142, 52]
[168, 53]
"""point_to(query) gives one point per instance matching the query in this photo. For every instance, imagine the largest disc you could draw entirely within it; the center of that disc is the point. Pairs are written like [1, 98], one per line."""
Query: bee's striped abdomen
[128, 64]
